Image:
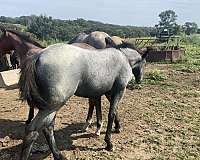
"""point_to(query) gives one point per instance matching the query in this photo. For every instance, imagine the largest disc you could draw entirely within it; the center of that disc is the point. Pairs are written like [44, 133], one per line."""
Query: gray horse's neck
[132, 56]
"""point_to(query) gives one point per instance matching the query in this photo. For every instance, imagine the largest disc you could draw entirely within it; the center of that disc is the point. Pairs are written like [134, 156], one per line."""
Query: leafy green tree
[168, 21]
[198, 31]
[190, 28]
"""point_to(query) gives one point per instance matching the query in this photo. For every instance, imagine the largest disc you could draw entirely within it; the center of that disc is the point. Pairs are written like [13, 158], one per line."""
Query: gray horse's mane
[126, 45]
[25, 37]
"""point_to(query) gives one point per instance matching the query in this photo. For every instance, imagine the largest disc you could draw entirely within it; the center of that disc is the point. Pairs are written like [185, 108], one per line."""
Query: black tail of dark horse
[28, 87]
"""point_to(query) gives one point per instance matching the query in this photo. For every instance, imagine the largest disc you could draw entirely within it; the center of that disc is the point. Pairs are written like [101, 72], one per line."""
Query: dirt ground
[159, 121]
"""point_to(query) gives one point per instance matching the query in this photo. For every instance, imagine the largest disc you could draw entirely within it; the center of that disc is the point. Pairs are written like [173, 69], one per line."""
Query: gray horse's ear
[146, 52]
[144, 56]
[3, 29]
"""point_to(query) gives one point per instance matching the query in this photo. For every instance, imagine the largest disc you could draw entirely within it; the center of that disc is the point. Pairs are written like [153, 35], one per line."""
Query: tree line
[45, 28]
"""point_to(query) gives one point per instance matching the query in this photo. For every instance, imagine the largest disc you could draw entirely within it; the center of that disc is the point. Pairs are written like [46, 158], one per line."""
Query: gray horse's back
[72, 70]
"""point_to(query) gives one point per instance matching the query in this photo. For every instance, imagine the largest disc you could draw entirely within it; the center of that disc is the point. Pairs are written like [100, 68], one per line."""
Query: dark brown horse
[24, 46]
[20, 42]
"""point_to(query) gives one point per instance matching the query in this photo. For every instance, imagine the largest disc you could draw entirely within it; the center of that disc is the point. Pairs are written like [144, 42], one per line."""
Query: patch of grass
[196, 82]
[155, 77]
[132, 85]
[188, 68]
[191, 61]
[191, 94]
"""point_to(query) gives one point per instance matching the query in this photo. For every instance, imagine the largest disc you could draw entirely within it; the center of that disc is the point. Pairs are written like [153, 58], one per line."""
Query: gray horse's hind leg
[115, 98]
[98, 115]
[49, 135]
[89, 115]
[28, 141]
[116, 120]
[42, 119]
[31, 112]
[117, 123]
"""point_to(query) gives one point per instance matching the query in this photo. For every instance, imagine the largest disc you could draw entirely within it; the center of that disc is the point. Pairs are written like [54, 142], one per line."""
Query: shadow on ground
[15, 131]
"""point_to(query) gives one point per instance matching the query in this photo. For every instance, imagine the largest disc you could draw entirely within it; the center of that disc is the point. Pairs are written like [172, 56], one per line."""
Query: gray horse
[117, 40]
[80, 38]
[96, 39]
[49, 83]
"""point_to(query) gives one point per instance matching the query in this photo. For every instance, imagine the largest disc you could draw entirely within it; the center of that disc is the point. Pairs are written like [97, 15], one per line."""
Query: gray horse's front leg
[89, 115]
[115, 98]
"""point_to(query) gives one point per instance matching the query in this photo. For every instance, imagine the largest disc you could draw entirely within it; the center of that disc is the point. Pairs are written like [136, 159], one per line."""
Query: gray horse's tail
[28, 87]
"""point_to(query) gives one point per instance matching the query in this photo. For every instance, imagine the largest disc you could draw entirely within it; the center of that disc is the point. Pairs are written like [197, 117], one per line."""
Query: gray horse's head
[136, 59]
[137, 70]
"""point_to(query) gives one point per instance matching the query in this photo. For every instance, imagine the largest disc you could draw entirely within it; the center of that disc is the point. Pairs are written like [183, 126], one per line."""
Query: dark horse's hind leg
[116, 96]
[94, 102]
[97, 104]
[31, 112]
[89, 115]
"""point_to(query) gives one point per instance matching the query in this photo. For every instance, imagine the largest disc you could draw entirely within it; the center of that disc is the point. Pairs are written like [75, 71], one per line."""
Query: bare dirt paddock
[160, 120]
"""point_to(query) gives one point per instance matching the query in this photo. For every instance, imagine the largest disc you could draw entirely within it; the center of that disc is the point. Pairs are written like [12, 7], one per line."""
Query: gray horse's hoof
[61, 157]
[27, 122]
[85, 127]
[110, 147]
[117, 130]
[97, 133]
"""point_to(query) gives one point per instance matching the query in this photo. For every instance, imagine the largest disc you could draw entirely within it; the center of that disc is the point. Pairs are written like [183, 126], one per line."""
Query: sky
[122, 12]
